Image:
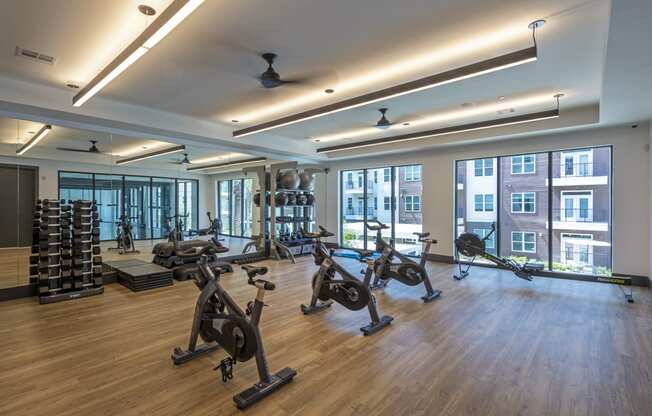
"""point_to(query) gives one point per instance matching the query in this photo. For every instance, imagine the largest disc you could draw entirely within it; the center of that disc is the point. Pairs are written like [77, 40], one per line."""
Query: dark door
[19, 193]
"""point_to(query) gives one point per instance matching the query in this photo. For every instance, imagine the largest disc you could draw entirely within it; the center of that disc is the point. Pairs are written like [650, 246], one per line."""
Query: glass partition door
[108, 194]
[163, 206]
[137, 205]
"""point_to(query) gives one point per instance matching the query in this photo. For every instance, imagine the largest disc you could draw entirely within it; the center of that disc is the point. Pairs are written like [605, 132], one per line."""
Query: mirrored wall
[235, 206]
[150, 203]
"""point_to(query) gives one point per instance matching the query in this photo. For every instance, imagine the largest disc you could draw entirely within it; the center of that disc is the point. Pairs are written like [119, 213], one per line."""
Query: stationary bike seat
[380, 226]
[262, 283]
[253, 271]
[421, 235]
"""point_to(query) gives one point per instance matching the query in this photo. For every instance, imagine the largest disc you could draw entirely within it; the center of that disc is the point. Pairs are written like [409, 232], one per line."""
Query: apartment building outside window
[484, 167]
[523, 164]
[413, 173]
[413, 203]
[484, 202]
[552, 208]
[524, 202]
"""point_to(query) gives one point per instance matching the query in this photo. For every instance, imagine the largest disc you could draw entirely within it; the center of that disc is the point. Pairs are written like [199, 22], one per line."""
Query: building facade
[515, 191]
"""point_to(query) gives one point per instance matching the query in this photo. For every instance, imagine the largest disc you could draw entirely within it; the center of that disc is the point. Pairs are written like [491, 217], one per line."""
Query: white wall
[631, 186]
[49, 178]
[649, 152]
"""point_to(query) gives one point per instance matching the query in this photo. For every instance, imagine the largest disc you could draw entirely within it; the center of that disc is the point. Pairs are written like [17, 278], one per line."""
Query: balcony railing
[582, 170]
[580, 215]
[359, 211]
[355, 185]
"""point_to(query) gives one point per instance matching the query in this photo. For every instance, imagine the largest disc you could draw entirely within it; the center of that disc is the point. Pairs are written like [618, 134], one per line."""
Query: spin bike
[220, 322]
[125, 237]
[406, 270]
[348, 291]
[471, 245]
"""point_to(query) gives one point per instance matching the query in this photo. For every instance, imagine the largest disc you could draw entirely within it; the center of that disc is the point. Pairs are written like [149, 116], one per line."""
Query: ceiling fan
[383, 123]
[184, 161]
[92, 149]
[270, 78]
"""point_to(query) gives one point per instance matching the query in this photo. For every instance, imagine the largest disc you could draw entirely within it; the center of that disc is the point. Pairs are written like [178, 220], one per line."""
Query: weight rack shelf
[65, 262]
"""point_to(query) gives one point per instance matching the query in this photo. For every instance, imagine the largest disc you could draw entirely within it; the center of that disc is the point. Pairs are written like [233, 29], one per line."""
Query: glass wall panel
[108, 194]
[247, 213]
[137, 205]
[407, 209]
[224, 205]
[73, 186]
[236, 207]
[581, 211]
[353, 214]
[163, 206]
[524, 208]
[187, 194]
[379, 194]
[476, 201]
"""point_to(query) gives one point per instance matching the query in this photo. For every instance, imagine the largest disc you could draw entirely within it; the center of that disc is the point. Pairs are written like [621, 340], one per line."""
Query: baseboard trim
[440, 258]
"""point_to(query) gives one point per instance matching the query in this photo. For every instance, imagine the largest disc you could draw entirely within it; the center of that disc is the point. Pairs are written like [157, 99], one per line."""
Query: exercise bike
[348, 291]
[221, 323]
[405, 270]
[125, 237]
[471, 245]
[176, 233]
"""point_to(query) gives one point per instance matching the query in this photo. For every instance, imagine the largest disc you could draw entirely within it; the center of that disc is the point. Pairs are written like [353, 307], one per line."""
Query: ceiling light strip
[157, 153]
[163, 25]
[469, 71]
[525, 118]
[223, 165]
[35, 139]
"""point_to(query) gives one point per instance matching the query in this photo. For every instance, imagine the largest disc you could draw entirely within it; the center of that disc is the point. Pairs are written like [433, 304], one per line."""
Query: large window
[566, 196]
[395, 200]
[234, 204]
[147, 201]
[524, 202]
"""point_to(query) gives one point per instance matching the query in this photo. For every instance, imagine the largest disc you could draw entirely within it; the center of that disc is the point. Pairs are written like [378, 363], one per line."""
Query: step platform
[139, 275]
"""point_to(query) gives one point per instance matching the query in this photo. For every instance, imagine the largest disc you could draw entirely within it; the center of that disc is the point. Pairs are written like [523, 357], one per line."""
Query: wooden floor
[14, 262]
[492, 345]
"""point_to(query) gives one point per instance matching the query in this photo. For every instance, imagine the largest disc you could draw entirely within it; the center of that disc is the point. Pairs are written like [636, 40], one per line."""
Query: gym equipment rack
[64, 241]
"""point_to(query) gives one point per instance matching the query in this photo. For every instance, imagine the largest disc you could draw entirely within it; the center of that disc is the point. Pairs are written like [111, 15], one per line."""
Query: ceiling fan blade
[68, 149]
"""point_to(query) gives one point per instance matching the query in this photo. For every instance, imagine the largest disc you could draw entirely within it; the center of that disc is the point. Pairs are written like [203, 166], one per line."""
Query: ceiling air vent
[34, 56]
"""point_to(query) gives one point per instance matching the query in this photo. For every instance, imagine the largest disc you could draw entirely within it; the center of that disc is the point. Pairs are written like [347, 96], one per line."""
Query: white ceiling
[204, 70]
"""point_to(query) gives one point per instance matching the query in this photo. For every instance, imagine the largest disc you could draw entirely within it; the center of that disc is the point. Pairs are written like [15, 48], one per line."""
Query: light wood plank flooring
[492, 345]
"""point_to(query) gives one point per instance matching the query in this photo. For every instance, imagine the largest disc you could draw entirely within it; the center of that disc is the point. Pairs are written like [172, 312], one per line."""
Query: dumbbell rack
[64, 241]
[297, 245]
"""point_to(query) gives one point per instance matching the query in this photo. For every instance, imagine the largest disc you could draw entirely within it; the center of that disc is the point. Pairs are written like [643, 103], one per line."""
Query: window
[484, 167]
[359, 181]
[375, 176]
[412, 203]
[387, 203]
[482, 233]
[523, 164]
[524, 241]
[387, 175]
[576, 249]
[576, 206]
[524, 202]
[413, 173]
[349, 179]
[349, 203]
[484, 202]
[577, 163]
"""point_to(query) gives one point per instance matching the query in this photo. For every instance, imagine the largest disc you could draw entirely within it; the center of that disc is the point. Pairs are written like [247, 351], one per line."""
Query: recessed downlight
[329, 90]
[406, 124]
[235, 121]
[72, 84]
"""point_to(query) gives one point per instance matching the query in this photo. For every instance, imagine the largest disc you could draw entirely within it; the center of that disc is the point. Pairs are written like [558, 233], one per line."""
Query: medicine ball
[281, 199]
[292, 199]
[257, 199]
[310, 198]
[306, 180]
[301, 199]
[289, 179]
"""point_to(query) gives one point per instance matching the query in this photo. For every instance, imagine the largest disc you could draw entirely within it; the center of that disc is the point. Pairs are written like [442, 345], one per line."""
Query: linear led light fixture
[164, 24]
[35, 139]
[223, 165]
[469, 71]
[524, 118]
[156, 153]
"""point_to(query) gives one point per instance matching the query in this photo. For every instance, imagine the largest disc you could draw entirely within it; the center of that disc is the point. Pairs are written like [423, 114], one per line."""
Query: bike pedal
[226, 368]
